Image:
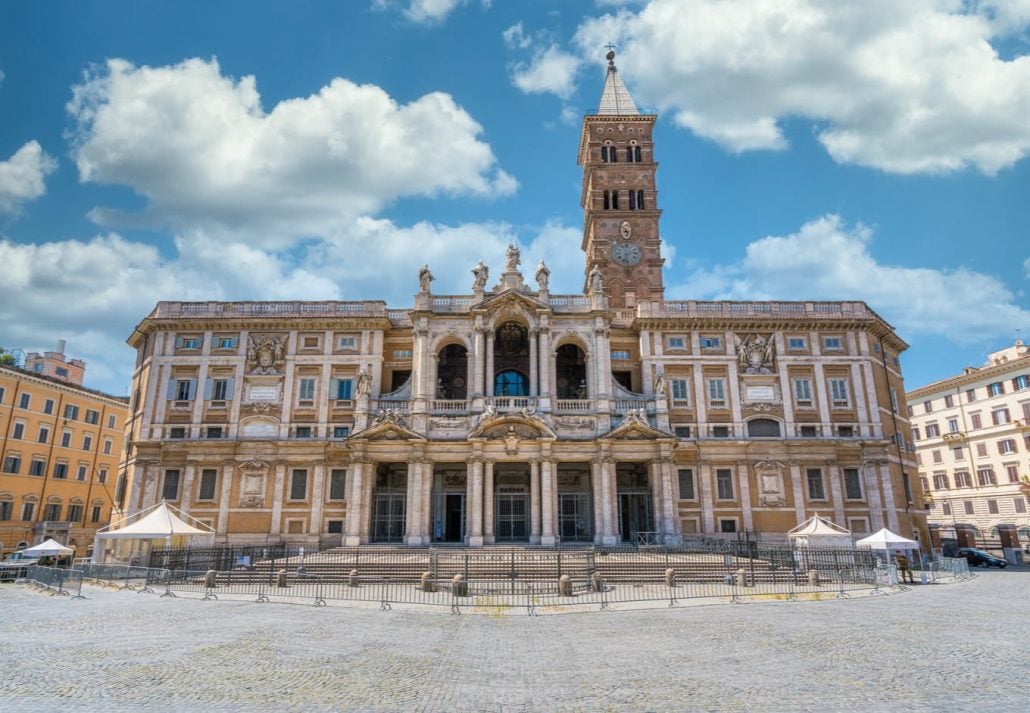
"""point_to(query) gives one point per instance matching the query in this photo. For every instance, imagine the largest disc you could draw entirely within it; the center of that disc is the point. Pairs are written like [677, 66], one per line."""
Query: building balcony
[954, 437]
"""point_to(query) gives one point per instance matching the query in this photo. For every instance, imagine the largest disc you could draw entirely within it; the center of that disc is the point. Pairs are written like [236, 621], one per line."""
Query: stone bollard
[813, 578]
[564, 586]
[596, 583]
[209, 579]
[280, 578]
[742, 578]
[459, 588]
[427, 582]
[352, 581]
[670, 577]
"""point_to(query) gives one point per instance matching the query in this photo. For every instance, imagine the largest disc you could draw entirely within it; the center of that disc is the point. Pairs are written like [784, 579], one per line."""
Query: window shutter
[192, 392]
[172, 384]
[334, 388]
[229, 388]
[207, 389]
[178, 342]
[345, 388]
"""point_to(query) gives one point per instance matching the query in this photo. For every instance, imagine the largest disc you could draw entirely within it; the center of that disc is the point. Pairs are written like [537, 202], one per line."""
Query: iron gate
[511, 515]
[388, 518]
[574, 517]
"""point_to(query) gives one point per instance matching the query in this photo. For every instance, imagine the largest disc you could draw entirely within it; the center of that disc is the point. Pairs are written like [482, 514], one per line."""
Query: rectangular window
[344, 389]
[958, 453]
[2, 394]
[832, 344]
[711, 342]
[949, 401]
[724, 483]
[108, 445]
[74, 513]
[952, 425]
[677, 343]
[66, 439]
[796, 343]
[727, 526]
[80, 473]
[170, 491]
[814, 476]
[183, 389]
[220, 390]
[803, 392]
[112, 421]
[1019, 504]
[92, 417]
[1012, 472]
[177, 432]
[71, 413]
[985, 476]
[809, 431]
[970, 396]
[225, 342]
[208, 479]
[44, 434]
[996, 389]
[37, 467]
[96, 513]
[962, 479]
[946, 508]
[341, 431]
[27, 511]
[680, 391]
[681, 431]
[87, 442]
[846, 431]
[968, 507]
[335, 527]
[299, 484]
[620, 355]
[928, 407]
[839, 392]
[1006, 446]
[12, 464]
[717, 392]
[937, 456]
[1021, 382]
[347, 343]
[975, 420]
[940, 482]
[401, 353]
[720, 431]
[215, 432]
[61, 371]
[932, 430]
[19, 432]
[48, 406]
[302, 432]
[1000, 416]
[52, 512]
[6, 506]
[306, 389]
[310, 343]
[338, 484]
[852, 484]
[915, 433]
[102, 476]
[981, 450]
[189, 343]
[60, 471]
[24, 401]
[992, 507]
[686, 482]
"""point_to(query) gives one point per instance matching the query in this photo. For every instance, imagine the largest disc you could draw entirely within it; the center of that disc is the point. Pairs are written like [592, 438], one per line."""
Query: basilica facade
[513, 415]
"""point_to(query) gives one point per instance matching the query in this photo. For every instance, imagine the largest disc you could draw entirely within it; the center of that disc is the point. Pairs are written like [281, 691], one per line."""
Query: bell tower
[619, 198]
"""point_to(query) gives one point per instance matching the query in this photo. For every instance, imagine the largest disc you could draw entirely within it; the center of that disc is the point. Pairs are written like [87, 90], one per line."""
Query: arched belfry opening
[452, 372]
[570, 370]
[511, 360]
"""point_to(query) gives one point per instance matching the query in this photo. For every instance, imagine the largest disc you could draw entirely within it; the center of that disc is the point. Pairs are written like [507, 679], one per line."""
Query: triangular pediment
[387, 430]
[634, 427]
[511, 300]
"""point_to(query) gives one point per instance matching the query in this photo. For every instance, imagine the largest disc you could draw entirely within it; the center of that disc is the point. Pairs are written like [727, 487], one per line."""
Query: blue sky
[325, 150]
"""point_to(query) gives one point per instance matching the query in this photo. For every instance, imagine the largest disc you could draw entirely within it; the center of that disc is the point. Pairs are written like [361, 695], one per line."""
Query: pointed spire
[615, 99]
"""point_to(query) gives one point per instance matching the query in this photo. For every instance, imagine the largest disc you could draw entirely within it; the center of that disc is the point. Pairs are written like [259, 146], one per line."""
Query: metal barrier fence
[55, 580]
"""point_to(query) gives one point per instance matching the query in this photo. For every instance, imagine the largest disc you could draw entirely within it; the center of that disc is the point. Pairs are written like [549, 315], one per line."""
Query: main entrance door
[634, 514]
[449, 517]
[388, 520]
[574, 517]
[511, 516]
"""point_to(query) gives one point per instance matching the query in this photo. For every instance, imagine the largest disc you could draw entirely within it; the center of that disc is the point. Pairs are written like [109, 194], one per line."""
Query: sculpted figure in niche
[512, 259]
[266, 354]
[543, 275]
[511, 441]
[480, 275]
[595, 281]
[424, 278]
[364, 385]
[755, 354]
[659, 384]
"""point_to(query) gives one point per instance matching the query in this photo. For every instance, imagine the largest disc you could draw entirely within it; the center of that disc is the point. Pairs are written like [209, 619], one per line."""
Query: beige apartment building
[61, 446]
[509, 414]
[972, 436]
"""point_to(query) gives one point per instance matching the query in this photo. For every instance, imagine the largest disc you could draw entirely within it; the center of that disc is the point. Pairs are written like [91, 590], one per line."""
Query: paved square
[962, 646]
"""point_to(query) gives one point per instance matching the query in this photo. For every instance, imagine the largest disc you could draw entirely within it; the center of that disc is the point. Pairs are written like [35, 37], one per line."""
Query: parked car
[979, 557]
[15, 566]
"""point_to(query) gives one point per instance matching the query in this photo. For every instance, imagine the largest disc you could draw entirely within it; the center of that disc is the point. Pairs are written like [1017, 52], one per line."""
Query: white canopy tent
[131, 542]
[817, 531]
[48, 548]
[889, 542]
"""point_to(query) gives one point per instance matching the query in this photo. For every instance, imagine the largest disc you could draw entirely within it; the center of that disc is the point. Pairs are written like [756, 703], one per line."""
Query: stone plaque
[760, 393]
[263, 393]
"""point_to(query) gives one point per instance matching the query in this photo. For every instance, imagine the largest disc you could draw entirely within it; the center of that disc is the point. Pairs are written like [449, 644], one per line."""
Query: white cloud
[551, 70]
[515, 37]
[22, 176]
[912, 87]
[203, 151]
[426, 12]
[828, 260]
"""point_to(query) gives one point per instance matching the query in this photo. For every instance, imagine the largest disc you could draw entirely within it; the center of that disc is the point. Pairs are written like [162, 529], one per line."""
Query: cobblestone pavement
[961, 646]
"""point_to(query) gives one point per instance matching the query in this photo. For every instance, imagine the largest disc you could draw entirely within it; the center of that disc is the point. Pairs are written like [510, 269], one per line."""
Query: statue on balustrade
[424, 278]
[543, 276]
[480, 275]
[364, 385]
[512, 259]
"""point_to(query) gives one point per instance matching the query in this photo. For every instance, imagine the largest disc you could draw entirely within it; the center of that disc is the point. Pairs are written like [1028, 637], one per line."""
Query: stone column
[534, 501]
[744, 479]
[367, 491]
[488, 375]
[872, 494]
[478, 362]
[277, 498]
[474, 502]
[797, 491]
[533, 370]
[357, 474]
[888, 496]
[412, 505]
[425, 471]
[599, 500]
[544, 359]
[547, 498]
[670, 487]
[317, 499]
[488, 502]
[609, 489]
[654, 479]
[222, 526]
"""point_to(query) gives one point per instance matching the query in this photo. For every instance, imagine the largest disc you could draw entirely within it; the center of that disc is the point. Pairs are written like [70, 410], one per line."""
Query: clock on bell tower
[620, 227]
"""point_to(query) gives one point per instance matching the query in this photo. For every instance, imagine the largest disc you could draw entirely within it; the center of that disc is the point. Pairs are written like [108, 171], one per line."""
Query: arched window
[511, 383]
[611, 200]
[636, 153]
[763, 428]
[606, 152]
[570, 372]
[640, 200]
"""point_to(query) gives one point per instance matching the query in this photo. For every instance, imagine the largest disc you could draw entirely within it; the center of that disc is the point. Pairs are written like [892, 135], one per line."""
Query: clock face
[626, 254]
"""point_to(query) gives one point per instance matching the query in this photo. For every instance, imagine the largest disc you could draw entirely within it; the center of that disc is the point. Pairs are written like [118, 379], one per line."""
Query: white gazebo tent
[890, 544]
[48, 548]
[130, 540]
[817, 531]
